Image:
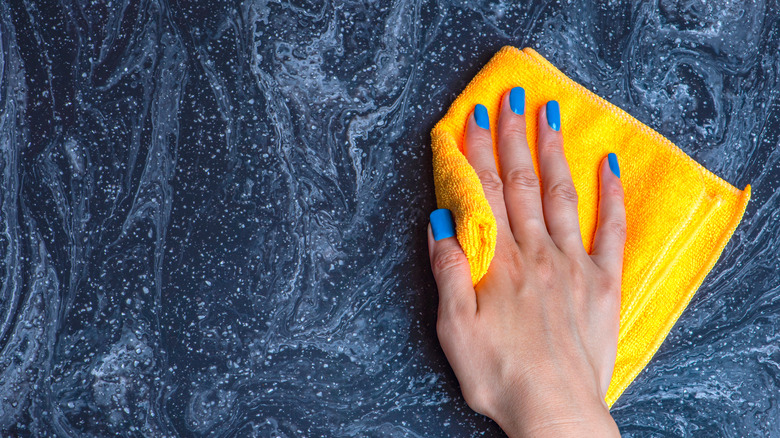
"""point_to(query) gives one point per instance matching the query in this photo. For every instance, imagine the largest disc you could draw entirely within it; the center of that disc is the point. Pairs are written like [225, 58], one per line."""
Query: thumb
[450, 267]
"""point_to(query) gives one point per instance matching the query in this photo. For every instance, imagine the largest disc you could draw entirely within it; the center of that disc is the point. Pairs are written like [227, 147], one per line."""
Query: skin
[533, 345]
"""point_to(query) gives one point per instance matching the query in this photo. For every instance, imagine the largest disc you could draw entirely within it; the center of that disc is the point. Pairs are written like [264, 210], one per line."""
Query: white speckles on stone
[214, 214]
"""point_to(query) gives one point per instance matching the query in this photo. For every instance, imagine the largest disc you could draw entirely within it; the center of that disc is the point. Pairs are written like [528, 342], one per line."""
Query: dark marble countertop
[213, 213]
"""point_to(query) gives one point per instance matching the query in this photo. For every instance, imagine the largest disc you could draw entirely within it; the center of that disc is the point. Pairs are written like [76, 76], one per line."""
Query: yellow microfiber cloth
[680, 215]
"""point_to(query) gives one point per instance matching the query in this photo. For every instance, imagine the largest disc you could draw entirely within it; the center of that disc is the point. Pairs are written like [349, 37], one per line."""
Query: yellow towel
[680, 215]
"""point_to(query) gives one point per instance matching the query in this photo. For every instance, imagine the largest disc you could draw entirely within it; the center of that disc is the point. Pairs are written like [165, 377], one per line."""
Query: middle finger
[521, 185]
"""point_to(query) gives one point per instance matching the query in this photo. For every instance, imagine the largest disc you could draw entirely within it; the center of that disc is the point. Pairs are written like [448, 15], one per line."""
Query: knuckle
[563, 191]
[615, 191]
[531, 229]
[613, 285]
[617, 228]
[609, 287]
[544, 263]
[522, 178]
[578, 276]
[514, 129]
[490, 180]
[532, 240]
[515, 260]
[553, 144]
[449, 260]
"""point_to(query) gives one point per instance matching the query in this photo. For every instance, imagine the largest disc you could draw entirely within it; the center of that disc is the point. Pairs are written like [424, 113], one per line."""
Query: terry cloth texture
[680, 215]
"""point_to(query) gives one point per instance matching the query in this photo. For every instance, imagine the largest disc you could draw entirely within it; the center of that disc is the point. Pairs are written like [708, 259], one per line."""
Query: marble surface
[213, 213]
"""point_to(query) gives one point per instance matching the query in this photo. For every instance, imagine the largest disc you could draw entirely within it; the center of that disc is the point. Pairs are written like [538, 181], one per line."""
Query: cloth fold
[680, 215]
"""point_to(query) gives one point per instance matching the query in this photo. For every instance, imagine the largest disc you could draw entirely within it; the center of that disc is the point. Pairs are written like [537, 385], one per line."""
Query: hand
[533, 345]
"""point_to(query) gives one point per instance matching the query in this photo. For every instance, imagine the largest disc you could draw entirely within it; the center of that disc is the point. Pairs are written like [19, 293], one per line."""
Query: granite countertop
[213, 213]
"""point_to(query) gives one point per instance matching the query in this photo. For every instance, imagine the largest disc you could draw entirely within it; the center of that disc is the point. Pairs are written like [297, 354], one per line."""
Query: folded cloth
[679, 214]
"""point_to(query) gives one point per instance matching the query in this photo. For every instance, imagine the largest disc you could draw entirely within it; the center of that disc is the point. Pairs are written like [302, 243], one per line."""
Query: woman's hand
[534, 343]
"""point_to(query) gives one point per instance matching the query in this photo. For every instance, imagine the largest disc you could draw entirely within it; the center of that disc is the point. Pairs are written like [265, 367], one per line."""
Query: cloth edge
[696, 282]
[541, 60]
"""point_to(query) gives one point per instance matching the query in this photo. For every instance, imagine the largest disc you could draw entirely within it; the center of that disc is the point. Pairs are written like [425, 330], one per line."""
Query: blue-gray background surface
[213, 214]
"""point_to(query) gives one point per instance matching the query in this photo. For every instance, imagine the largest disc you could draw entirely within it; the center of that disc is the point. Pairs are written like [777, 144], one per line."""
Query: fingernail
[481, 116]
[554, 115]
[517, 100]
[442, 224]
[613, 164]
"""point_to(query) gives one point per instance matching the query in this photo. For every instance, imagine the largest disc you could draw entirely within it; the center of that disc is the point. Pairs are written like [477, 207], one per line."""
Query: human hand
[533, 345]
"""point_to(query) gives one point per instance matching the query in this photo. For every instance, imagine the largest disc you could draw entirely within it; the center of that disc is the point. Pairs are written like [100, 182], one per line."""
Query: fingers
[521, 185]
[559, 197]
[610, 238]
[457, 298]
[479, 153]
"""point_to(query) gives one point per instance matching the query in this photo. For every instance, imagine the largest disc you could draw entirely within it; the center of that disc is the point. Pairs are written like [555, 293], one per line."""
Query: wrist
[556, 410]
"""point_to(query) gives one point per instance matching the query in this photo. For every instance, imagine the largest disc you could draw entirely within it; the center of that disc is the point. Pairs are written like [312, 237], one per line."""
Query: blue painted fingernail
[613, 164]
[481, 116]
[554, 115]
[442, 224]
[517, 100]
